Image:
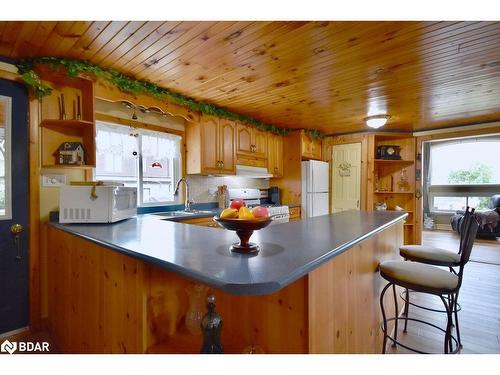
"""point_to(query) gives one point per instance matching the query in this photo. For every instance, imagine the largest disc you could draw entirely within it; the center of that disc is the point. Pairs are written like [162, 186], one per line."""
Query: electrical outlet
[53, 180]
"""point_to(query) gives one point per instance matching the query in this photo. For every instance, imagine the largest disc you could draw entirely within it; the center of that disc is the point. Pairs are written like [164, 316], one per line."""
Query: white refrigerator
[315, 178]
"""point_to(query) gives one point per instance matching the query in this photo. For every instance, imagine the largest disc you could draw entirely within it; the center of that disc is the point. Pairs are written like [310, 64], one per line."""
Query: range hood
[252, 172]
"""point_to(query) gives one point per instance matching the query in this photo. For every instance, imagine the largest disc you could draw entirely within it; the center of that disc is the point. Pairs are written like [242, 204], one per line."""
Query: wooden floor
[479, 297]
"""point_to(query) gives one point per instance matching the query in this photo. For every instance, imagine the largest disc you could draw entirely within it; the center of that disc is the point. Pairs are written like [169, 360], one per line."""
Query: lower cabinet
[295, 213]
[202, 221]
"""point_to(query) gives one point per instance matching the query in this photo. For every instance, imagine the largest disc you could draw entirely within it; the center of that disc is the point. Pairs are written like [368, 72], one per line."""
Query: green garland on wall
[133, 86]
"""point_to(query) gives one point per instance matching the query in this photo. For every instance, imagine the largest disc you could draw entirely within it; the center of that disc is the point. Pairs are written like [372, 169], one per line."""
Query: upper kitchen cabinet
[251, 146]
[310, 148]
[210, 146]
[275, 155]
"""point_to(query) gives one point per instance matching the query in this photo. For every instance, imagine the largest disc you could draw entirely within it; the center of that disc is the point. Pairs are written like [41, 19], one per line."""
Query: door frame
[8, 71]
[362, 138]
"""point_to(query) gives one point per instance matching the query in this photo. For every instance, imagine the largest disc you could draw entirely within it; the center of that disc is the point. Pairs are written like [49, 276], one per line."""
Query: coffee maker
[274, 195]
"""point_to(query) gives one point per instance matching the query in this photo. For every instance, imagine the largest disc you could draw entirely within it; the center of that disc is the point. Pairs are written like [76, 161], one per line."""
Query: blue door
[14, 307]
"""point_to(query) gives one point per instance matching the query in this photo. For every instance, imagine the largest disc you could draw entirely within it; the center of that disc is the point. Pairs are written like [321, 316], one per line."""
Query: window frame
[7, 158]
[178, 166]
[459, 190]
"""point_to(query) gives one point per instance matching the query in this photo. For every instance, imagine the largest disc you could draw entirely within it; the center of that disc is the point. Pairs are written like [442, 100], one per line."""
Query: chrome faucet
[187, 201]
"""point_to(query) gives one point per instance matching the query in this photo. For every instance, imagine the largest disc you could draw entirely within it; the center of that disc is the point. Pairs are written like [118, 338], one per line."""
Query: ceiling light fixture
[376, 121]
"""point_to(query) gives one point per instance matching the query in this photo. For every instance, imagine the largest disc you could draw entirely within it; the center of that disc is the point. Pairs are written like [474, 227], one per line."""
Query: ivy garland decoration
[133, 86]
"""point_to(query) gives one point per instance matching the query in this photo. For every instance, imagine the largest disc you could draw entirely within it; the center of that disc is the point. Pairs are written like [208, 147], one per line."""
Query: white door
[346, 177]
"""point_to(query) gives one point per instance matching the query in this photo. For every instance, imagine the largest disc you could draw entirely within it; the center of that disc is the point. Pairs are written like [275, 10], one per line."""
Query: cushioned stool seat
[418, 276]
[430, 255]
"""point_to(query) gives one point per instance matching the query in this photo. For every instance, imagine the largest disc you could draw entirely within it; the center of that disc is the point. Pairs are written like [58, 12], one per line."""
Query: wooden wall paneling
[344, 310]
[291, 183]
[35, 290]
[370, 176]
[103, 302]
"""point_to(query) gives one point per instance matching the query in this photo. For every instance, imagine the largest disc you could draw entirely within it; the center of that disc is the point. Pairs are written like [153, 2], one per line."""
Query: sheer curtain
[120, 150]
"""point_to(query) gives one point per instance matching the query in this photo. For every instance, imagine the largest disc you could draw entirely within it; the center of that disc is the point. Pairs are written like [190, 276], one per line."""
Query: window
[5, 150]
[463, 173]
[148, 160]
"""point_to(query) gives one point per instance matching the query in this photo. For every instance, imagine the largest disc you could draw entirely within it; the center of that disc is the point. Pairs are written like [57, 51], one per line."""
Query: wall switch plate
[53, 180]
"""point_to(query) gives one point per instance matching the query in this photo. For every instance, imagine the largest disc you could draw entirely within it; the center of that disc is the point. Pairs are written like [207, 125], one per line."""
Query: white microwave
[96, 204]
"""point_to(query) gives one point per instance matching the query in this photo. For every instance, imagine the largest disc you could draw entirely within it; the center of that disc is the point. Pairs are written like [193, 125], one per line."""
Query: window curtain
[115, 139]
[159, 146]
[426, 164]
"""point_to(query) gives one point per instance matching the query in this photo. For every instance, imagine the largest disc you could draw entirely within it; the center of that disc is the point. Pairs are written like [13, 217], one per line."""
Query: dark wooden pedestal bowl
[244, 229]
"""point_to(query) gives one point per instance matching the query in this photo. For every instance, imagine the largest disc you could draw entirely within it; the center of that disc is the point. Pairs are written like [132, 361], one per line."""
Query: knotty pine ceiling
[323, 75]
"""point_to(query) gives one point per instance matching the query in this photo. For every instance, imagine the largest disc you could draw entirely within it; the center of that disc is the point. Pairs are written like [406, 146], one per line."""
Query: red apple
[260, 211]
[237, 203]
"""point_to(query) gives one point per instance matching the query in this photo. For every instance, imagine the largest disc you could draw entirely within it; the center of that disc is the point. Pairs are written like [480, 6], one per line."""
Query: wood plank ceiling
[323, 75]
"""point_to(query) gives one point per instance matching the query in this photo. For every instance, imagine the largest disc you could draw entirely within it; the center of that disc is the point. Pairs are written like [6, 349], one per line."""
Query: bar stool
[425, 278]
[437, 257]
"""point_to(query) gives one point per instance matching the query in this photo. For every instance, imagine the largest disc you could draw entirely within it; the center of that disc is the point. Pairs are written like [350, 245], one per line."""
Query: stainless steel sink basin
[181, 213]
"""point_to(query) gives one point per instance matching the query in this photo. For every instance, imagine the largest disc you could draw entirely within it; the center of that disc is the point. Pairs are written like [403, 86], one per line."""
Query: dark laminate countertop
[288, 251]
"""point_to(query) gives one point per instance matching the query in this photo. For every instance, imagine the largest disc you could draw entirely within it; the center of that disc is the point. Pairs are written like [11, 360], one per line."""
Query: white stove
[280, 214]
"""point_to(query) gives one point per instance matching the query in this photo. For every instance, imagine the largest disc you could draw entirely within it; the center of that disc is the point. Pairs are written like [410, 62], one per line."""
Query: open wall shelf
[393, 181]
[73, 122]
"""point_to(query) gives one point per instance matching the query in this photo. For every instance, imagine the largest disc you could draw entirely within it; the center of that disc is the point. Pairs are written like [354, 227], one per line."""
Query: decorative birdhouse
[70, 153]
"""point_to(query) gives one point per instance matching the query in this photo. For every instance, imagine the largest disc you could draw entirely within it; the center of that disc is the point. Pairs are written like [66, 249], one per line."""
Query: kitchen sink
[182, 213]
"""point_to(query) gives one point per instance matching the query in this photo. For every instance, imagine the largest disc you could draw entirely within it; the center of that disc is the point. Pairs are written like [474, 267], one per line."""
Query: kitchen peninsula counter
[288, 251]
[313, 288]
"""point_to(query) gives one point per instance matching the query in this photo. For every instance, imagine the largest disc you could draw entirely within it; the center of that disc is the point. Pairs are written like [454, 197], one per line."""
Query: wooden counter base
[101, 301]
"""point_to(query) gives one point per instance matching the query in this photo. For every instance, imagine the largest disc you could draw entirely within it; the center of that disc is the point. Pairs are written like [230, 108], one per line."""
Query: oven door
[280, 219]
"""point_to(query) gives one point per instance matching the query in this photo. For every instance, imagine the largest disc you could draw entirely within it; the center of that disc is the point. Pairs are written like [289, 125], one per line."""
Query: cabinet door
[316, 150]
[278, 147]
[275, 155]
[209, 144]
[226, 146]
[260, 144]
[244, 140]
[271, 153]
[306, 145]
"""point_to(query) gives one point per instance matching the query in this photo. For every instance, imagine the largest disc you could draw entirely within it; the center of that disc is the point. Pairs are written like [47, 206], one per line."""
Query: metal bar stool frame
[453, 302]
[470, 229]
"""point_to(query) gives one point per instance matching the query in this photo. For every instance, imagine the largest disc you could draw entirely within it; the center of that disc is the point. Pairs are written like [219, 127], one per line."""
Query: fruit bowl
[244, 229]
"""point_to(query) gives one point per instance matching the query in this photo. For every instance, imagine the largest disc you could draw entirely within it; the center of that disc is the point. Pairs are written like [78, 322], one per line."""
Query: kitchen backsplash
[199, 186]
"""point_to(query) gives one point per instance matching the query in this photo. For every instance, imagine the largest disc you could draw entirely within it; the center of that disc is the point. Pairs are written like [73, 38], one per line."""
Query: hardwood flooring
[479, 319]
